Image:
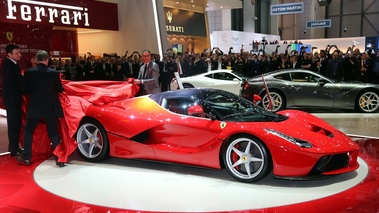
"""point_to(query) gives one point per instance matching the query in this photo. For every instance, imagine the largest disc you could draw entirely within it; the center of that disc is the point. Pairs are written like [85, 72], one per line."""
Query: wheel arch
[93, 120]
[237, 135]
[188, 85]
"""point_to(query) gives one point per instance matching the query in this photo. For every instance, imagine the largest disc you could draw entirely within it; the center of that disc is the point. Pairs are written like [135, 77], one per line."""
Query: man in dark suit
[219, 63]
[335, 68]
[363, 69]
[42, 84]
[323, 62]
[12, 96]
[295, 63]
[167, 68]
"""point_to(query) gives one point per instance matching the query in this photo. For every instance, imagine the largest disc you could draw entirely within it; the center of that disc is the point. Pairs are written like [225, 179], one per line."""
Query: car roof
[188, 92]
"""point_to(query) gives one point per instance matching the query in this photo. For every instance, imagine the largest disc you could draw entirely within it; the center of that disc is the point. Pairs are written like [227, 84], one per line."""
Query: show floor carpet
[119, 185]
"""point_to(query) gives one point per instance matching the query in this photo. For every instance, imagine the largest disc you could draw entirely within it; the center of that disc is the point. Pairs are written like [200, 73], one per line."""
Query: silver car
[304, 89]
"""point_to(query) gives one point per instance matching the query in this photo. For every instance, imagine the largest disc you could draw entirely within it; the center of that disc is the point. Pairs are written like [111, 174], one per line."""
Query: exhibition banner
[290, 8]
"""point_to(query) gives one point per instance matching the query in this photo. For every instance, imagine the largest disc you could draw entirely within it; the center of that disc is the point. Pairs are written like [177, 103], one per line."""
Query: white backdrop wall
[342, 43]
[226, 39]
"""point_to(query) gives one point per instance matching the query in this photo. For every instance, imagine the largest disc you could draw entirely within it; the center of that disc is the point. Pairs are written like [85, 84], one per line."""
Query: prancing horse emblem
[9, 36]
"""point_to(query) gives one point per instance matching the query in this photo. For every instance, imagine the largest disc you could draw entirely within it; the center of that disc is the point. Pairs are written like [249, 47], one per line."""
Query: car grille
[330, 163]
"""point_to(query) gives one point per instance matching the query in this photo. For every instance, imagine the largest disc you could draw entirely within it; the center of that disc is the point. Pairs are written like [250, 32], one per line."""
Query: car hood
[358, 84]
[322, 135]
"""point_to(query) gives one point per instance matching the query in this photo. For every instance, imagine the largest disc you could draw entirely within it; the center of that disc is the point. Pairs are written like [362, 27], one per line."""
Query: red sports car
[216, 129]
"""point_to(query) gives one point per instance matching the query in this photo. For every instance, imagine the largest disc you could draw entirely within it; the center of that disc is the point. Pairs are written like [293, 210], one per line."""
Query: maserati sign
[183, 22]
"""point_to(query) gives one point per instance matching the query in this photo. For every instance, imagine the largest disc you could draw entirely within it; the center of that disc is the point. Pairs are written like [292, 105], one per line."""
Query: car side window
[301, 77]
[177, 105]
[228, 77]
[209, 76]
[284, 76]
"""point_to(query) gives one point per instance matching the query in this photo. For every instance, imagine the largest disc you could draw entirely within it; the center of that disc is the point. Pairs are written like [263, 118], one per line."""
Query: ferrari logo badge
[222, 125]
[9, 36]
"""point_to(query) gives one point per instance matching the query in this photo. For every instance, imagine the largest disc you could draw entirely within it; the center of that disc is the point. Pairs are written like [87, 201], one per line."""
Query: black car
[304, 89]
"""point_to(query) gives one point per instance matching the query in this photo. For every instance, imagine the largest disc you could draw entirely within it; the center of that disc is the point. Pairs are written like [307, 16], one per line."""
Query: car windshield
[230, 107]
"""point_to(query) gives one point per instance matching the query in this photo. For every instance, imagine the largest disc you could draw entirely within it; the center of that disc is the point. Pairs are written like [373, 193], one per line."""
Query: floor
[119, 185]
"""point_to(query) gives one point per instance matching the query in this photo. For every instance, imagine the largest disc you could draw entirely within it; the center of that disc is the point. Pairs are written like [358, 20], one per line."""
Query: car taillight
[257, 99]
[246, 85]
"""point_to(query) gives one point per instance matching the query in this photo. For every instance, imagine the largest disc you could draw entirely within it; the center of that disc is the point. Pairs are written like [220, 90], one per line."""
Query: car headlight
[301, 143]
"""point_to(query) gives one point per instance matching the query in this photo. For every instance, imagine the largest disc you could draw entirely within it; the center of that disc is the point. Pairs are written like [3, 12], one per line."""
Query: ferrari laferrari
[216, 129]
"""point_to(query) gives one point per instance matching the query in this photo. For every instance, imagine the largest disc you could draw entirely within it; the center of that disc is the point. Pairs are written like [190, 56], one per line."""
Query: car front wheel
[246, 159]
[92, 141]
[368, 102]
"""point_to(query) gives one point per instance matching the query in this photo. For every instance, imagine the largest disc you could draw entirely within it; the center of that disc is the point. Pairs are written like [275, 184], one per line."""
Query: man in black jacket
[42, 84]
[12, 96]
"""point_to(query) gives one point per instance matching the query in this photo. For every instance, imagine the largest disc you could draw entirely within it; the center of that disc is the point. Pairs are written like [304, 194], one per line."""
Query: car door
[310, 90]
[225, 81]
[178, 135]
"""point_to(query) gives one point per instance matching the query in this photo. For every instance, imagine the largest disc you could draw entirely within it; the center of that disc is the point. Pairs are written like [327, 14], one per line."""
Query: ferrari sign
[36, 11]
[63, 13]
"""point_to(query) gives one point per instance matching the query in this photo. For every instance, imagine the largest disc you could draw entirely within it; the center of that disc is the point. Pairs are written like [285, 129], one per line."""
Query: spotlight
[324, 2]
[305, 31]
[344, 30]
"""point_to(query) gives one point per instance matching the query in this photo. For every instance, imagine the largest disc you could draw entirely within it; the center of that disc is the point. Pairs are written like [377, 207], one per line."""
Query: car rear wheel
[368, 101]
[277, 101]
[92, 141]
[246, 159]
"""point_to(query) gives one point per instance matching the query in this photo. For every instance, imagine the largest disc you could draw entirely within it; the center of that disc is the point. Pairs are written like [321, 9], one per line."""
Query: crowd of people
[352, 65]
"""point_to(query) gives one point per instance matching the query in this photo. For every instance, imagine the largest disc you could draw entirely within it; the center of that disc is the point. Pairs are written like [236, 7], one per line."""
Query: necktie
[144, 72]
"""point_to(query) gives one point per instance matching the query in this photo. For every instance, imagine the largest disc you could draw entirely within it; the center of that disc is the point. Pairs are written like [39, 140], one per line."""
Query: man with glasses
[148, 74]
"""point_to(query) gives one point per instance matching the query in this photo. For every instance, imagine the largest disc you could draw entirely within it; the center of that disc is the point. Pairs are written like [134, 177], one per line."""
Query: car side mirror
[195, 110]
